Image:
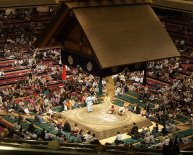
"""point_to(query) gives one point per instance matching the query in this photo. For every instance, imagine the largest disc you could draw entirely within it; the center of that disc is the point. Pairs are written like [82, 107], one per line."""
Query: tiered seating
[10, 69]
[6, 63]
[17, 73]
[131, 97]
[182, 118]
[11, 81]
[24, 125]
[57, 108]
[186, 68]
[185, 133]
[181, 29]
[118, 103]
[134, 94]
[132, 141]
[45, 126]
[151, 82]
[9, 119]
[48, 127]
[133, 100]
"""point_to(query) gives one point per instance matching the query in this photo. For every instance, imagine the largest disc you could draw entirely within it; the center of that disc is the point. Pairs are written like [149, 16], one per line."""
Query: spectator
[118, 138]
[67, 127]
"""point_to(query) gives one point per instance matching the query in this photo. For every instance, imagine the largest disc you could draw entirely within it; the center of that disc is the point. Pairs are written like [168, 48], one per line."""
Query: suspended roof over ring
[111, 36]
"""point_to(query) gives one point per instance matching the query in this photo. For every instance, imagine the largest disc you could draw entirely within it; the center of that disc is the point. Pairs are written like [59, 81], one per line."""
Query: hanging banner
[64, 72]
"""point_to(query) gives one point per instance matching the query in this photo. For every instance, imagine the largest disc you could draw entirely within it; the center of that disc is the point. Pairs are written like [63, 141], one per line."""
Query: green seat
[57, 108]
[10, 120]
[185, 133]
[182, 118]
[118, 103]
[134, 94]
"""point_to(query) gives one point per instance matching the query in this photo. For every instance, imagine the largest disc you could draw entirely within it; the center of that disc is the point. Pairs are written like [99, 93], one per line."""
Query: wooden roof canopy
[105, 36]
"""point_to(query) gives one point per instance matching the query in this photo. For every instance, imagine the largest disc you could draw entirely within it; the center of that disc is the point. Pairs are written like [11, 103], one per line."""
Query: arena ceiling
[186, 5]
[183, 5]
[25, 3]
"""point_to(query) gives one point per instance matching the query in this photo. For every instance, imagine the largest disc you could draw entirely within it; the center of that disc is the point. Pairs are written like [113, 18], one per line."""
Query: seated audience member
[17, 126]
[79, 137]
[118, 138]
[67, 127]
[87, 137]
[2, 74]
[147, 139]
[47, 136]
[26, 110]
[170, 148]
[136, 109]
[39, 119]
[142, 133]
[134, 131]
[59, 133]
[94, 139]
[152, 139]
[143, 112]
[42, 134]
[75, 129]
[31, 128]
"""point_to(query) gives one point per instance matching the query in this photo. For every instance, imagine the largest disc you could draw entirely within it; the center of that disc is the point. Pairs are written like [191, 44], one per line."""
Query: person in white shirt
[173, 128]
[147, 139]
[152, 139]
[2, 74]
[156, 106]
[118, 138]
[34, 136]
[47, 135]
[159, 145]
[20, 62]
[87, 137]
[137, 79]
[122, 77]
[118, 91]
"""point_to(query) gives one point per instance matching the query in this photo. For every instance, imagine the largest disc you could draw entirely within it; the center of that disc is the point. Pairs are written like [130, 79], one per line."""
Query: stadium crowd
[33, 99]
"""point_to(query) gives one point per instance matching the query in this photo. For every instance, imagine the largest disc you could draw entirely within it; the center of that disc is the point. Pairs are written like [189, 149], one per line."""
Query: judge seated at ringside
[134, 131]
